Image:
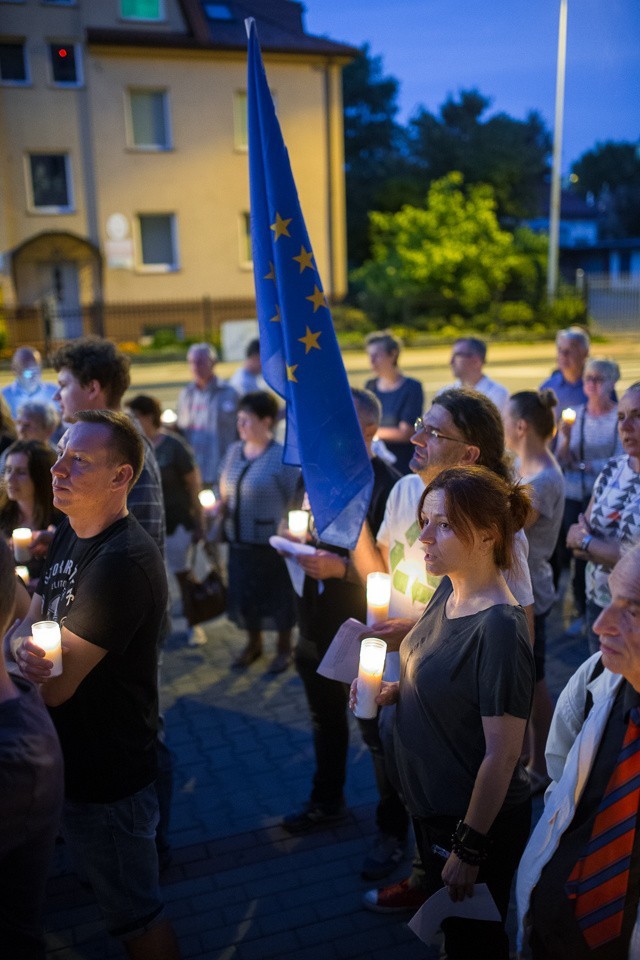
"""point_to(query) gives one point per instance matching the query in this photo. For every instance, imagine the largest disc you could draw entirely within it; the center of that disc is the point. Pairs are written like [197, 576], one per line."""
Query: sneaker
[313, 817]
[397, 898]
[197, 637]
[383, 857]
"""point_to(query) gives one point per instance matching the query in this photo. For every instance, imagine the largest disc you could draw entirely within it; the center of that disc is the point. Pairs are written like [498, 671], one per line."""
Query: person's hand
[32, 661]
[322, 565]
[459, 878]
[577, 532]
[564, 430]
[41, 542]
[392, 631]
[389, 693]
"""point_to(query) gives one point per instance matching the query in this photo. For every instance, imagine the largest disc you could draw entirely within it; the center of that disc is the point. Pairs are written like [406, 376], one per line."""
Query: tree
[449, 256]
[510, 155]
[611, 174]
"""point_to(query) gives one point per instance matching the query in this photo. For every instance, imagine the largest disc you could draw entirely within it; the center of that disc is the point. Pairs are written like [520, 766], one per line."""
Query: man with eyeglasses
[461, 428]
[572, 350]
[467, 360]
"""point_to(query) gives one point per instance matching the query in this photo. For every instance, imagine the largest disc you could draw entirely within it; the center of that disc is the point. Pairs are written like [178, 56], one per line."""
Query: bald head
[624, 580]
[618, 626]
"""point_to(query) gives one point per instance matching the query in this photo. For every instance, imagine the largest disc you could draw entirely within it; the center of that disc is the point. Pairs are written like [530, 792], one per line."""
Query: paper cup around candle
[21, 542]
[378, 597]
[207, 500]
[370, 670]
[46, 633]
[298, 521]
[23, 573]
[569, 415]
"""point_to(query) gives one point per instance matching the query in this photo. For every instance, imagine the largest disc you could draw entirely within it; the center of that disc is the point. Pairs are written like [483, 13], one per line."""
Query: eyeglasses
[421, 427]
[591, 378]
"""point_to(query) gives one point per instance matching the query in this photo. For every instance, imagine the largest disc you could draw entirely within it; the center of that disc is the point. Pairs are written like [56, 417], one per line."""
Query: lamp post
[556, 172]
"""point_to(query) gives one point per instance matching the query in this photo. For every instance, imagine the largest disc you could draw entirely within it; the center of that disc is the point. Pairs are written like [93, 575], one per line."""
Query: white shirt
[494, 391]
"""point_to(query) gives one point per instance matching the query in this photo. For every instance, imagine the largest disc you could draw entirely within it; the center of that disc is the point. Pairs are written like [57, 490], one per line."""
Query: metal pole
[556, 172]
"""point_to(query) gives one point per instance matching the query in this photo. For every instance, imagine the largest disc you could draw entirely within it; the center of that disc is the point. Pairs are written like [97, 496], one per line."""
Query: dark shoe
[383, 857]
[313, 817]
[246, 658]
[397, 898]
[280, 663]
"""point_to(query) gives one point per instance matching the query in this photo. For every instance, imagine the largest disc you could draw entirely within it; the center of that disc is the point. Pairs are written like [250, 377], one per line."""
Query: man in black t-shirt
[106, 587]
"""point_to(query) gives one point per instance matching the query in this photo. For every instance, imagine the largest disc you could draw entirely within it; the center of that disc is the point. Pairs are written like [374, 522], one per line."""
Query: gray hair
[368, 407]
[207, 348]
[608, 369]
[577, 334]
[44, 412]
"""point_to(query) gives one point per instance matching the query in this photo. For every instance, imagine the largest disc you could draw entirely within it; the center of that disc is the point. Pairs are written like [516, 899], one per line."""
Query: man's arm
[369, 556]
[79, 657]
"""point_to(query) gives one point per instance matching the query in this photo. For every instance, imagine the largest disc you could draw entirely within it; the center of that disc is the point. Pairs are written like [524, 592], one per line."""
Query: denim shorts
[113, 847]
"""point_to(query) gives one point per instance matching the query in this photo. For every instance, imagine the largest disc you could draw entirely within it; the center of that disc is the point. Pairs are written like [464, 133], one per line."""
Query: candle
[299, 524]
[46, 633]
[23, 573]
[378, 596]
[168, 417]
[21, 543]
[372, 654]
[569, 415]
[207, 500]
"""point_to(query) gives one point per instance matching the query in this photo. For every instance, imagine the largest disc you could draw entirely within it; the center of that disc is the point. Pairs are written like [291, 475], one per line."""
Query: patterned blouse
[615, 515]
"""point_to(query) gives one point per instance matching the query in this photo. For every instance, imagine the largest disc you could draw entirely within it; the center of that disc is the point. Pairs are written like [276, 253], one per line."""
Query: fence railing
[613, 302]
[48, 325]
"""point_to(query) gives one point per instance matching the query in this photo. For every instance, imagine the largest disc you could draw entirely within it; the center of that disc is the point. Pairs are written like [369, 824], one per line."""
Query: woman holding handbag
[257, 489]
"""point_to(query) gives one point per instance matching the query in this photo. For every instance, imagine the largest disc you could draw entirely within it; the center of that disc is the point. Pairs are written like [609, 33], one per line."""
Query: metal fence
[613, 303]
[47, 325]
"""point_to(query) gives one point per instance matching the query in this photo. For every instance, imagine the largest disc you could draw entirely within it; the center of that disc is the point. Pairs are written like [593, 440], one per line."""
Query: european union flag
[301, 358]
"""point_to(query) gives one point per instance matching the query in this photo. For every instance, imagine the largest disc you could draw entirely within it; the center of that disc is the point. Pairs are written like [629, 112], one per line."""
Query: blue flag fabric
[301, 358]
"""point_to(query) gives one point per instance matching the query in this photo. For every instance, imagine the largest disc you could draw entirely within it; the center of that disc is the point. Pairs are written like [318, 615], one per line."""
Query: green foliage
[565, 311]
[347, 319]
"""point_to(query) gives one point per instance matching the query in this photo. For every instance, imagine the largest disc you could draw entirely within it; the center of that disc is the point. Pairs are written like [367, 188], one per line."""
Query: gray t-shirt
[454, 673]
[548, 500]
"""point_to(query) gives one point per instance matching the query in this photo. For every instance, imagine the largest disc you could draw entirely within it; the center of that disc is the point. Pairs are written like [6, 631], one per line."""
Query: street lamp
[556, 164]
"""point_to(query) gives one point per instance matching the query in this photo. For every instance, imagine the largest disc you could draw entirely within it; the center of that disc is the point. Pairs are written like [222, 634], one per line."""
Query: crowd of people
[479, 501]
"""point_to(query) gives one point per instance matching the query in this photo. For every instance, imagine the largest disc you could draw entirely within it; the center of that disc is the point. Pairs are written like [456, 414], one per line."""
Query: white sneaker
[197, 637]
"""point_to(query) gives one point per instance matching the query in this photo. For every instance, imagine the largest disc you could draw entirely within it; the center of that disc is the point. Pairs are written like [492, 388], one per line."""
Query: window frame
[244, 237]
[161, 18]
[77, 56]
[52, 209]
[142, 267]
[14, 42]
[129, 126]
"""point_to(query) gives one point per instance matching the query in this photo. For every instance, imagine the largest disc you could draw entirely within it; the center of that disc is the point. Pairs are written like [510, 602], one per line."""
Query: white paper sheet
[292, 549]
[340, 662]
[427, 921]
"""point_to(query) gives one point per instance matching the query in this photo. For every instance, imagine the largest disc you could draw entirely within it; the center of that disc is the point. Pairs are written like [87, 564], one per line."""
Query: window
[49, 183]
[240, 129]
[141, 9]
[246, 254]
[65, 64]
[13, 62]
[158, 241]
[149, 120]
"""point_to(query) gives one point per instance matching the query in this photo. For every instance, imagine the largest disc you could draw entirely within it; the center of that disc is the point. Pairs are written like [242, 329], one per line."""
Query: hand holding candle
[22, 537]
[298, 522]
[378, 597]
[370, 670]
[208, 503]
[46, 634]
[569, 415]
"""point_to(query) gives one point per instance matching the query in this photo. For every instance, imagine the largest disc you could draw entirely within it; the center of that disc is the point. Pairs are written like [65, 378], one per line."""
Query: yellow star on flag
[272, 272]
[305, 258]
[291, 373]
[280, 226]
[277, 317]
[310, 340]
[317, 298]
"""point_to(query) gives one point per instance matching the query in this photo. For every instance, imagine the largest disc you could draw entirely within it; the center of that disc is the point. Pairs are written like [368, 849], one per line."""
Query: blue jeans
[113, 846]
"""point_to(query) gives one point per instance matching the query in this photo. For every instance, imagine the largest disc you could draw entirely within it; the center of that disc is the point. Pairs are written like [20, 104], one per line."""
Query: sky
[507, 49]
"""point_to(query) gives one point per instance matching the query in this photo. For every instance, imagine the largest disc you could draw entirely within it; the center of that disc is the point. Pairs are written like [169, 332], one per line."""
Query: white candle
[569, 415]
[378, 597]
[372, 655]
[207, 500]
[168, 417]
[299, 523]
[46, 633]
[21, 542]
[23, 573]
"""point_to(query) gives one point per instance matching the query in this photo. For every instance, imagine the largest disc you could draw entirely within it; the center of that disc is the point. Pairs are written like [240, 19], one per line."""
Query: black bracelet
[466, 836]
[471, 857]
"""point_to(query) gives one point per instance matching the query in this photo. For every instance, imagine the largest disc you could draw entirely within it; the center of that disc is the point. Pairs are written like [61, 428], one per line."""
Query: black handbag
[202, 599]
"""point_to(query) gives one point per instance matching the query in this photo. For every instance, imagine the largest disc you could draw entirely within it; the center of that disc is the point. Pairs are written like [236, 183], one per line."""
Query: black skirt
[260, 593]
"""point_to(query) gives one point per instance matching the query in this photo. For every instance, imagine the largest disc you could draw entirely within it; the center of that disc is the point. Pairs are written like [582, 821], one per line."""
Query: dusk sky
[507, 49]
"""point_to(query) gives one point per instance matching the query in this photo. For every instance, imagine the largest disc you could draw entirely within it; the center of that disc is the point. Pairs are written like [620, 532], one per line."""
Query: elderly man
[105, 585]
[572, 350]
[31, 792]
[468, 357]
[28, 385]
[578, 885]
[207, 412]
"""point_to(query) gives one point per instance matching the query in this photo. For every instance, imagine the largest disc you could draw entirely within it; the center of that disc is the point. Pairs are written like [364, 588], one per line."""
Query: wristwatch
[586, 540]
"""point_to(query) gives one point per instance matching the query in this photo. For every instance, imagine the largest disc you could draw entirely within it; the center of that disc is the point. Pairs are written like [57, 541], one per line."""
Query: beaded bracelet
[468, 845]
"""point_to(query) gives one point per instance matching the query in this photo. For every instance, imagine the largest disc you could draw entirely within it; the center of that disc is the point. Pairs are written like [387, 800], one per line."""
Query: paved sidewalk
[241, 887]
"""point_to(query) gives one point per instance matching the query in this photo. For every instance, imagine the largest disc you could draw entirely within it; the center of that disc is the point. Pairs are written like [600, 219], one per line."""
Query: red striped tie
[598, 882]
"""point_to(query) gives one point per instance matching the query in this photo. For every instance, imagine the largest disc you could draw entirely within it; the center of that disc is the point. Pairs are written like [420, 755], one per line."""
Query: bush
[564, 312]
[348, 319]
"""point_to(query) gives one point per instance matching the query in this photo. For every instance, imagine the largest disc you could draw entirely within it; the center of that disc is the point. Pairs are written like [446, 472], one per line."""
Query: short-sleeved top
[257, 493]
[110, 590]
[403, 405]
[568, 394]
[207, 418]
[615, 515]
[176, 461]
[489, 388]
[593, 441]
[548, 500]
[454, 673]
[411, 586]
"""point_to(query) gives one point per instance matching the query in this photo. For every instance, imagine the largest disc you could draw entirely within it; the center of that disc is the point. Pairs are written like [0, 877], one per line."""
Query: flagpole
[556, 167]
